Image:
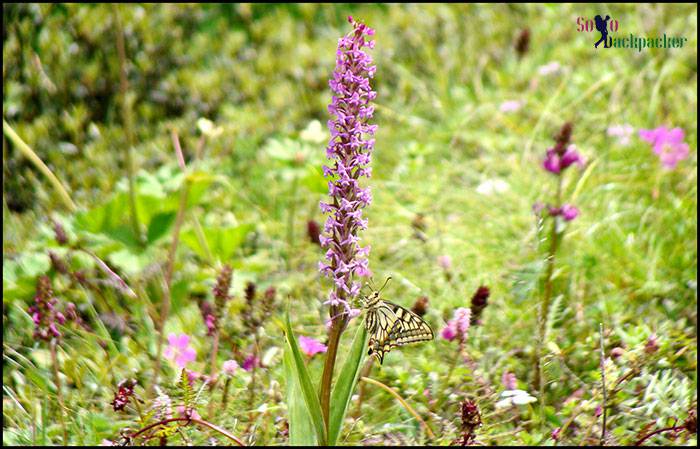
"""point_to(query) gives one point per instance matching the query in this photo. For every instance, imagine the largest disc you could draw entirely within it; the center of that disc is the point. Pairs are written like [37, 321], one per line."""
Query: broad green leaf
[104, 217]
[124, 234]
[301, 430]
[222, 241]
[345, 384]
[159, 225]
[313, 405]
[199, 183]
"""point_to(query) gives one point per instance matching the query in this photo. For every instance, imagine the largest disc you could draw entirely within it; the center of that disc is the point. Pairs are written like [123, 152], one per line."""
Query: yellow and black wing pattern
[391, 325]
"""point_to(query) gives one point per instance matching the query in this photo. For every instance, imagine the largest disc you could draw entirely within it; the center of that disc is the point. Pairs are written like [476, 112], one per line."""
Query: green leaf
[301, 430]
[313, 406]
[124, 234]
[314, 180]
[159, 225]
[199, 183]
[345, 384]
[222, 241]
[107, 216]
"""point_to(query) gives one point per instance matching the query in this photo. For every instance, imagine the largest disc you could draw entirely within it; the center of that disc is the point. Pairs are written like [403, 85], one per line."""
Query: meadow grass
[259, 73]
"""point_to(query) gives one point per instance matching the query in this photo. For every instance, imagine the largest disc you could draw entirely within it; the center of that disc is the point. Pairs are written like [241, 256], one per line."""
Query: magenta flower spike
[458, 326]
[349, 149]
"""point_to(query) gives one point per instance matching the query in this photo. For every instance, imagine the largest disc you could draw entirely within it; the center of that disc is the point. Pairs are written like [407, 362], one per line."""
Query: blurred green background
[452, 166]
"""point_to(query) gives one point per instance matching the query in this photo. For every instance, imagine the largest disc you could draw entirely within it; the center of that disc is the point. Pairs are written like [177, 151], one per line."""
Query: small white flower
[491, 186]
[207, 128]
[515, 397]
[313, 133]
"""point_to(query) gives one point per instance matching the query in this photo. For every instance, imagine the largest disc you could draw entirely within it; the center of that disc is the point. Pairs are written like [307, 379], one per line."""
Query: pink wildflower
[667, 144]
[179, 350]
[458, 326]
[311, 347]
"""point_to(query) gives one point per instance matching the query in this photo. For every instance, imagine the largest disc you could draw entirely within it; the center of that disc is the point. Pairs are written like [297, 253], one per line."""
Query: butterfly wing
[390, 325]
[409, 328]
[380, 321]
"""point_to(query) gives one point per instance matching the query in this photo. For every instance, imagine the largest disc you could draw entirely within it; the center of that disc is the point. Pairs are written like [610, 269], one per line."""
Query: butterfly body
[390, 325]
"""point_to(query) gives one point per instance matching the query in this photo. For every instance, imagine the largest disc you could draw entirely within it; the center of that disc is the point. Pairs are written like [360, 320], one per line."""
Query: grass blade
[301, 431]
[307, 388]
[345, 384]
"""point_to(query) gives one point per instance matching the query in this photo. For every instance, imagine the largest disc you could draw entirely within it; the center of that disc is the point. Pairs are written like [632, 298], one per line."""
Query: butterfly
[390, 325]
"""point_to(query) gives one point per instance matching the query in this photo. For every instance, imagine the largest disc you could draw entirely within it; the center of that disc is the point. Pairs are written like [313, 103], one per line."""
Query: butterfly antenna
[370, 282]
[385, 282]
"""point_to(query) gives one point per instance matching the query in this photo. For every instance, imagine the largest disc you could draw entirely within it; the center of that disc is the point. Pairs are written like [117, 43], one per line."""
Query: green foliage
[345, 383]
[300, 376]
[301, 428]
[260, 74]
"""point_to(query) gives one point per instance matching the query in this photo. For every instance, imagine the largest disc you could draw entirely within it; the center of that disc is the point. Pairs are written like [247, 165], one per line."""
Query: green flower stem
[403, 402]
[31, 155]
[328, 367]
[546, 299]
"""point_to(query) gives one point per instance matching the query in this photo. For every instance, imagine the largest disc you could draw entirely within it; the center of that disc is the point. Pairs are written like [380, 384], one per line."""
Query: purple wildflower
[448, 333]
[179, 350]
[458, 326]
[567, 211]
[44, 312]
[250, 362]
[311, 347]
[556, 161]
[59, 233]
[230, 367]
[209, 317]
[471, 420]
[479, 301]
[192, 376]
[509, 381]
[221, 288]
[350, 149]
[552, 162]
[667, 144]
[189, 413]
[125, 390]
